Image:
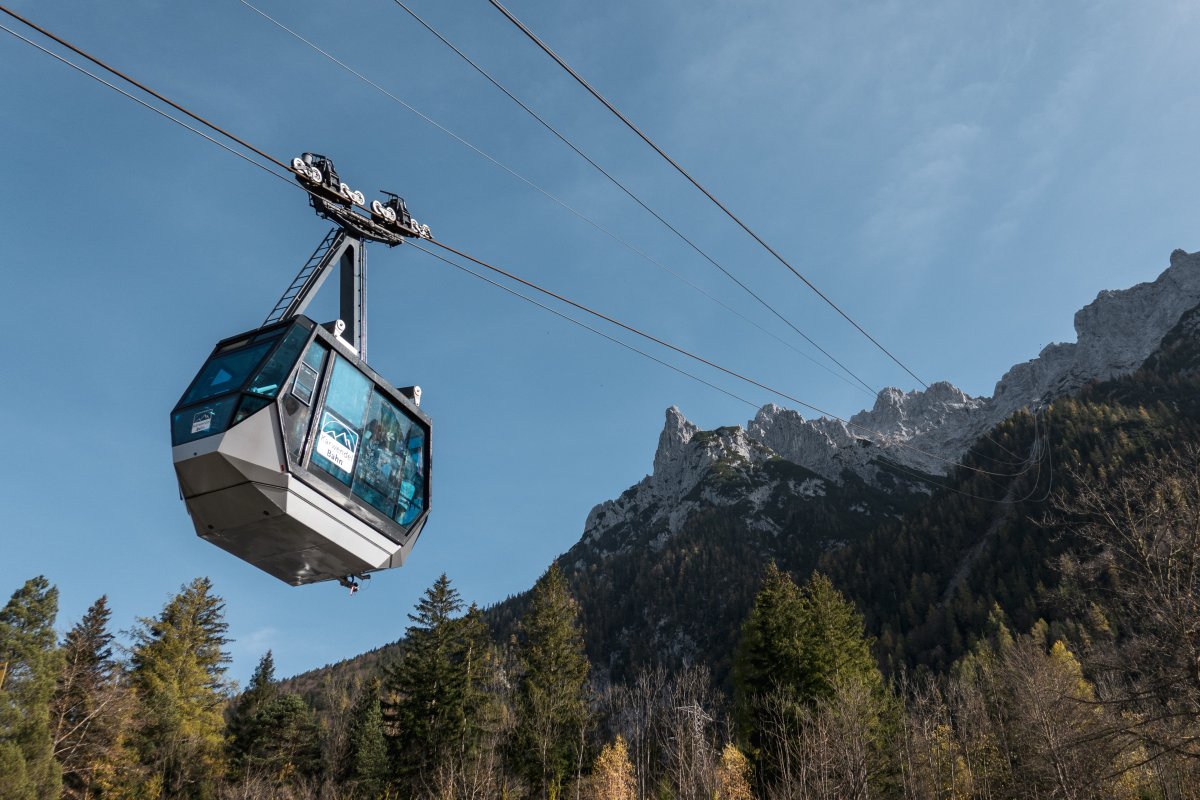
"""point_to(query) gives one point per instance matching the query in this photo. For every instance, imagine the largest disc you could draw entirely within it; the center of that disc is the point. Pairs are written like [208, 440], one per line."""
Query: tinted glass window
[412, 487]
[250, 404]
[280, 364]
[348, 391]
[225, 373]
[380, 471]
[295, 406]
[202, 420]
[340, 428]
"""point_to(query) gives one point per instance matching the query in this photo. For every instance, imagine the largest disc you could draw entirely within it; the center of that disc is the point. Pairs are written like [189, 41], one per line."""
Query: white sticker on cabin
[202, 421]
[338, 442]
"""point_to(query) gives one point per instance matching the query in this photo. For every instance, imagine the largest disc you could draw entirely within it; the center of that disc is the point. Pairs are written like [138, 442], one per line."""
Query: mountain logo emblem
[337, 442]
[202, 421]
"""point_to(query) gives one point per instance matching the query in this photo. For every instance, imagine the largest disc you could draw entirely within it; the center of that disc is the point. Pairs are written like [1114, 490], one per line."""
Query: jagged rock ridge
[930, 430]
[926, 430]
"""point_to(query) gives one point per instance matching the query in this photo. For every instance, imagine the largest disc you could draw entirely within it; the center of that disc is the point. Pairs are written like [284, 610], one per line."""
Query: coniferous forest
[1037, 637]
[1106, 706]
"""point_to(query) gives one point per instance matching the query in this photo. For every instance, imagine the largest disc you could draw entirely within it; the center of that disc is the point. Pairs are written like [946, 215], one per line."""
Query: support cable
[143, 103]
[701, 359]
[632, 248]
[596, 94]
[141, 86]
[584, 325]
[491, 79]
[598, 314]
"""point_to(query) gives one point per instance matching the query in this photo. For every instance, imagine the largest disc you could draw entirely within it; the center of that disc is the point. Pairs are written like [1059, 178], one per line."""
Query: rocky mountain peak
[1116, 333]
[677, 432]
[902, 415]
[931, 429]
[684, 457]
[928, 429]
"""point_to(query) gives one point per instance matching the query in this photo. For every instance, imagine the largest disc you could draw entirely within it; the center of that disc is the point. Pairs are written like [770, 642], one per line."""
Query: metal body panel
[241, 498]
[218, 462]
[250, 488]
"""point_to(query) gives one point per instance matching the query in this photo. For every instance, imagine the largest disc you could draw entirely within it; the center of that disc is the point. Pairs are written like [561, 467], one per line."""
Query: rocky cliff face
[928, 430]
[685, 456]
[667, 570]
[1116, 332]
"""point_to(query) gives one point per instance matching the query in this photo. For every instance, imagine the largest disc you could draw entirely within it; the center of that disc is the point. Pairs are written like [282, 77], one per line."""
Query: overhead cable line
[491, 79]
[603, 100]
[141, 86]
[563, 138]
[583, 325]
[632, 248]
[701, 359]
[600, 315]
[142, 102]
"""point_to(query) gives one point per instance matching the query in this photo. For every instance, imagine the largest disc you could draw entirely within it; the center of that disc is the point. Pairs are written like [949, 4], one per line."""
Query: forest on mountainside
[1028, 630]
[1102, 702]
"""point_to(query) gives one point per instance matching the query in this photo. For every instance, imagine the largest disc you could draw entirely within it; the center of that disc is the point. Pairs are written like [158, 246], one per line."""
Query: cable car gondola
[291, 452]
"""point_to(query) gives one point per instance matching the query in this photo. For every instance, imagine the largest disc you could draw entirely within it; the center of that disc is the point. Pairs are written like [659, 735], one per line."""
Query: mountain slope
[666, 572]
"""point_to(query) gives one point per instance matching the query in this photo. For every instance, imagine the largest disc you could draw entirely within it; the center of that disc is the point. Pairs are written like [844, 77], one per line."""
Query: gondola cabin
[294, 455]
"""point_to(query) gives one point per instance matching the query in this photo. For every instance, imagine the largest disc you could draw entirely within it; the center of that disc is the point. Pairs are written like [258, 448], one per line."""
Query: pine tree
[364, 765]
[29, 665]
[799, 649]
[424, 708]
[178, 667]
[551, 693]
[833, 644]
[88, 702]
[288, 749]
[245, 726]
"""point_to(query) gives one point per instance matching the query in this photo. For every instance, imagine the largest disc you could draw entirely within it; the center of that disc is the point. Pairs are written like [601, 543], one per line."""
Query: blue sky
[959, 176]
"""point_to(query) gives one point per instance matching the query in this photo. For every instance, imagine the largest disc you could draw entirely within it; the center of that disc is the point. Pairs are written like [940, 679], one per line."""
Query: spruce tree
[178, 664]
[244, 727]
[768, 653]
[552, 688]
[364, 765]
[88, 702]
[426, 690]
[833, 643]
[29, 666]
[288, 748]
[798, 647]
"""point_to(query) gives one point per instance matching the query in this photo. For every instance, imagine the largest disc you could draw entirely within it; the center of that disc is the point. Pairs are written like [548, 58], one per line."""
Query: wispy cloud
[926, 183]
[253, 644]
[1041, 140]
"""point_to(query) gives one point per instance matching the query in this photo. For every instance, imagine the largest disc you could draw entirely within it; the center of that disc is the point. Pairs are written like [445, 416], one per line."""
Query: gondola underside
[242, 498]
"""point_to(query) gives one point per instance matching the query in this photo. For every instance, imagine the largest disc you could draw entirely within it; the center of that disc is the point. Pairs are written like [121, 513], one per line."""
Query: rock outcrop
[931, 429]
[926, 430]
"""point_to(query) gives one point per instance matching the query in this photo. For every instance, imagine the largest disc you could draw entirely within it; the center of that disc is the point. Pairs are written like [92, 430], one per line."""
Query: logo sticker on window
[338, 442]
[202, 421]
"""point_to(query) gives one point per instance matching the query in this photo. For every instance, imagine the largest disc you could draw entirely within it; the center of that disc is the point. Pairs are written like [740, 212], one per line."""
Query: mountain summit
[930, 430]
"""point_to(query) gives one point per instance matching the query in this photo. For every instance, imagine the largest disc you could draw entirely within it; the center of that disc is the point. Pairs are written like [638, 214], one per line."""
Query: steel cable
[585, 218]
[561, 298]
[604, 101]
[491, 79]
